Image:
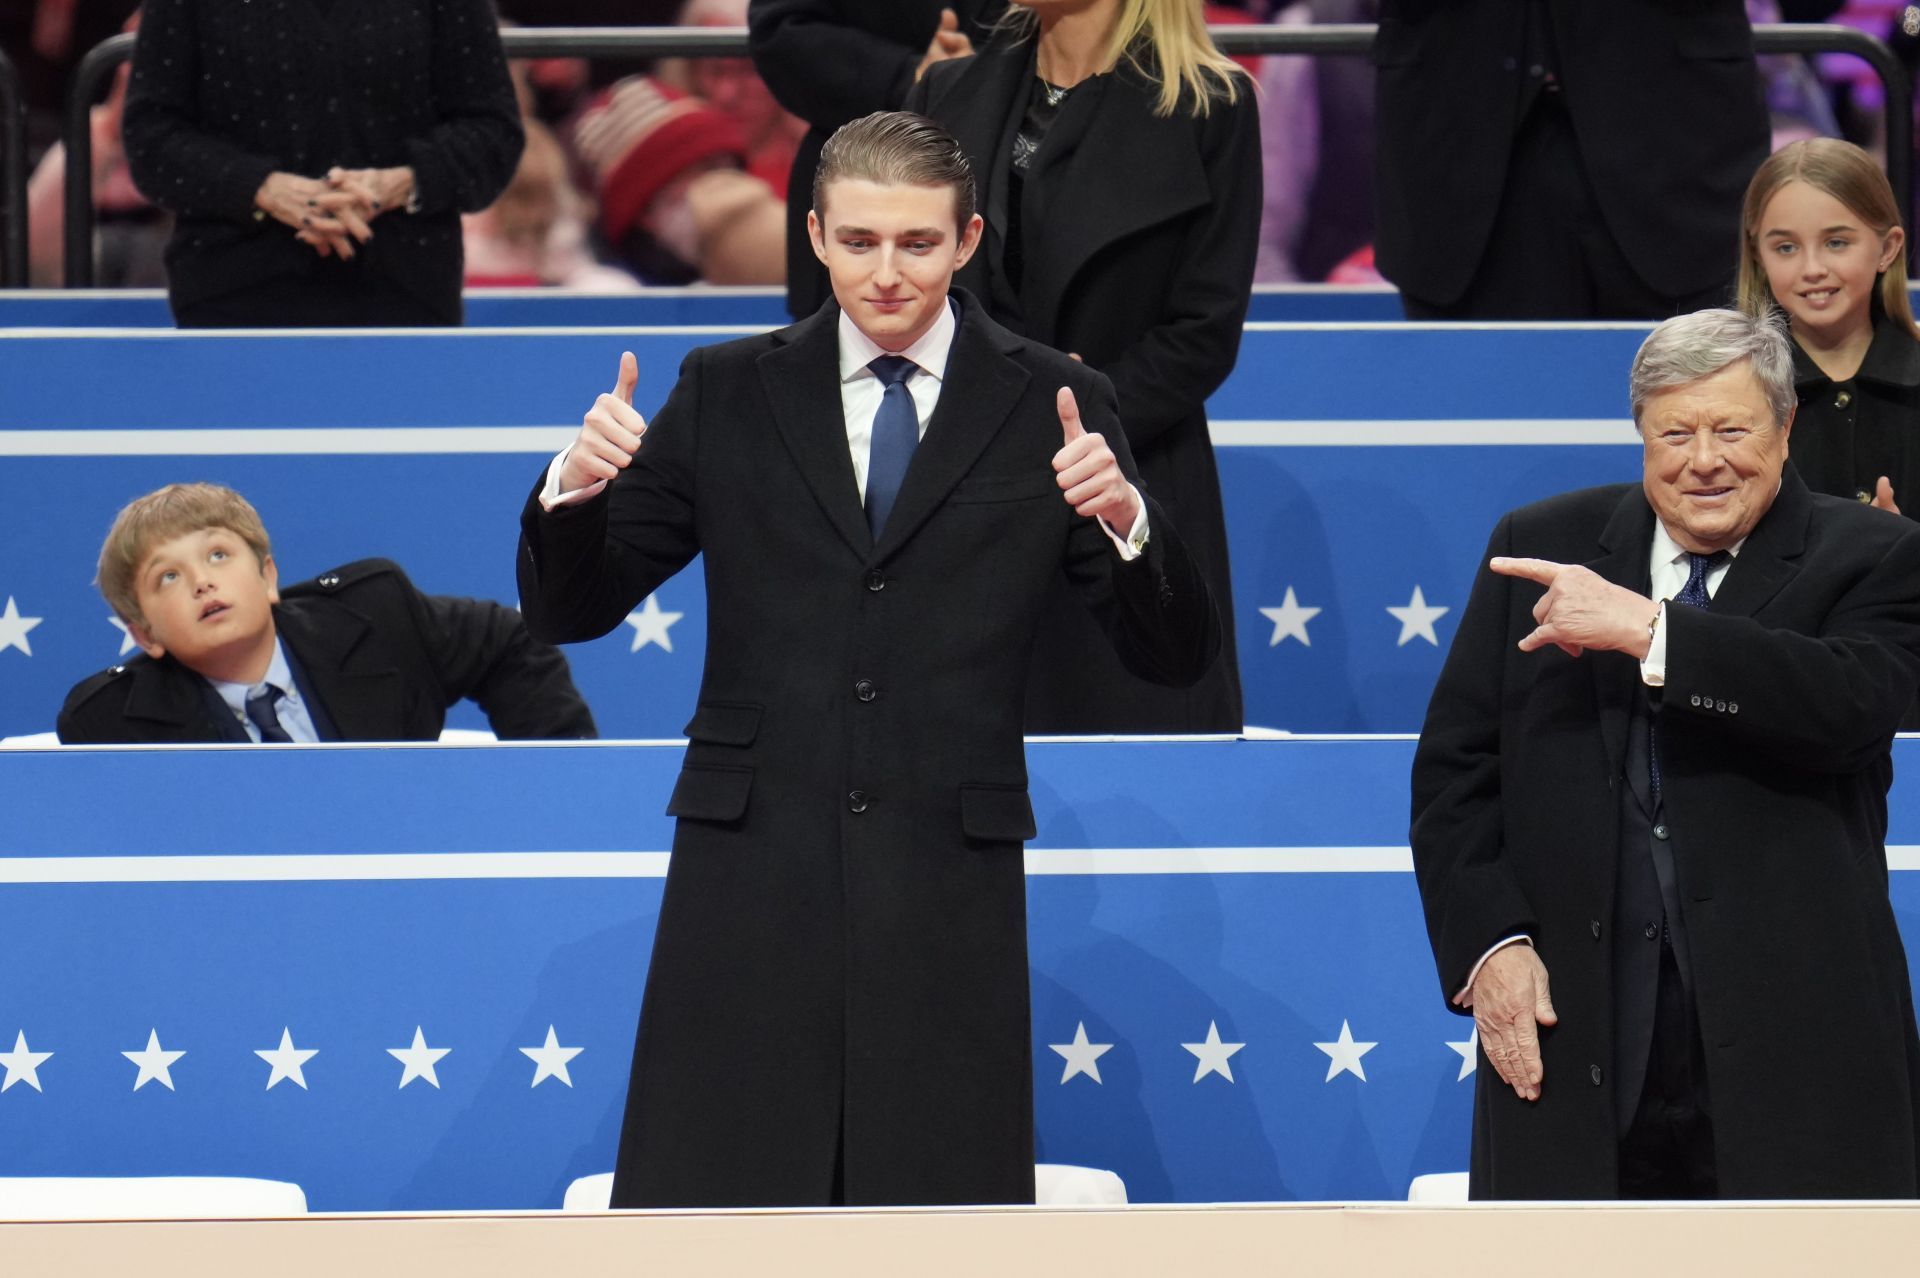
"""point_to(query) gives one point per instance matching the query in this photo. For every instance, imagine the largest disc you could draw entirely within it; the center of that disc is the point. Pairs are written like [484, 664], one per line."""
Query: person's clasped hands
[332, 214]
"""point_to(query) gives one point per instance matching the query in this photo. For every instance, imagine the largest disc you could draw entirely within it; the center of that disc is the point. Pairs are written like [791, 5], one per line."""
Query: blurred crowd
[677, 171]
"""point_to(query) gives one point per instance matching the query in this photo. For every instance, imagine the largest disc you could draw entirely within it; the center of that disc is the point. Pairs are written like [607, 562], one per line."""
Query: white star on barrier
[1417, 618]
[127, 642]
[1290, 620]
[22, 1063]
[286, 1060]
[1469, 1053]
[650, 625]
[1343, 1055]
[1211, 1056]
[1081, 1056]
[154, 1061]
[550, 1059]
[418, 1058]
[14, 627]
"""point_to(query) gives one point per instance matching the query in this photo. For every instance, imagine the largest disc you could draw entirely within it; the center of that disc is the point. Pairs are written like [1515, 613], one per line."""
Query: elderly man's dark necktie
[1693, 595]
[896, 433]
[260, 708]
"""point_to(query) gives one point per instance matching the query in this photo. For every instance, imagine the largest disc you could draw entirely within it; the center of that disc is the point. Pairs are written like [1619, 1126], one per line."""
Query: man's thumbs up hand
[1089, 474]
[609, 436]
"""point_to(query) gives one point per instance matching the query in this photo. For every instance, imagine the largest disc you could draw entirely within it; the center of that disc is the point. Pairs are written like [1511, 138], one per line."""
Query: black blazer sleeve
[583, 567]
[1156, 610]
[174, 161]
[1166, 375]
[465, 160]
[476, 649]
[1469, 891]
[820, 63]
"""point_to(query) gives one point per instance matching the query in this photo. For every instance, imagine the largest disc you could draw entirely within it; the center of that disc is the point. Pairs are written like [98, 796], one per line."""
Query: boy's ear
[969, 241]
[817, 236]
[270, 572]
[144, 637]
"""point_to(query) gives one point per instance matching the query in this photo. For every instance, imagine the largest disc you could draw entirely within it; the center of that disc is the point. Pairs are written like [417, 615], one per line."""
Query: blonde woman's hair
[1166, 41]
[1849, 175]
[160, 516]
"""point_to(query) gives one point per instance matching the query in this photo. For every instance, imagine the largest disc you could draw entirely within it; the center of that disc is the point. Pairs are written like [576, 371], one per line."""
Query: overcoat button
[1696, 698]
[1593, 1072]
[1660, 832]
[1595, 928]
[1733, 707]
[1720, 706]
[865, 690]
[856, 801]
[876, 580]
[1651, 931]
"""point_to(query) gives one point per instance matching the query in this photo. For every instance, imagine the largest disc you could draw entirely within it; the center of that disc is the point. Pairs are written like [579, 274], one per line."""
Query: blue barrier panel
[1363, 467]
[1256, 887]
[519, 308]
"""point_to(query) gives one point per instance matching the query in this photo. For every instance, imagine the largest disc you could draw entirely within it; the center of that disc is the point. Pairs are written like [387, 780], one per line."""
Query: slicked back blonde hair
[160, 516]
[1849, 175]
[1166, 41]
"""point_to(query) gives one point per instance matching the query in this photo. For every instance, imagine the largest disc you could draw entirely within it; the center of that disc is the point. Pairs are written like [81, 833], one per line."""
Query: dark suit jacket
[225, 92]
[841, 954]
[832, 61]
[1778, 711]
[1664, 98]
[1140, 232]
[383, 660]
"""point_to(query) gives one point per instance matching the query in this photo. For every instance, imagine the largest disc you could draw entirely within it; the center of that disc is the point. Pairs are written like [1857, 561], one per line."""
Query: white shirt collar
[279, 674]
[857, 350]
[1667, 551]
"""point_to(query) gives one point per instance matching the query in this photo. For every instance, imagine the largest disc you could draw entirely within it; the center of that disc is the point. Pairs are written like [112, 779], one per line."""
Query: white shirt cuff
[1522, 939]
[1653, 670]
[550, 494]
[1134, 544]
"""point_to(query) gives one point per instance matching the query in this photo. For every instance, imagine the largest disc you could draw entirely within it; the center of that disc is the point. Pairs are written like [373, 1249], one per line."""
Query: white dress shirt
[291, 710]
[860, 394]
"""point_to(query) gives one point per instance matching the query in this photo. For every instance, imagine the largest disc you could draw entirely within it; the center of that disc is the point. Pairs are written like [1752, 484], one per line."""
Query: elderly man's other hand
[1582, 609]
[1883, 496]
[1509, 1001]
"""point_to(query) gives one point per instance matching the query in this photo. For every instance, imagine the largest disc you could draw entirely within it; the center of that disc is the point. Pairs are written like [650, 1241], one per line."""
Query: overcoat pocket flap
[724, 723]
[711, 794]
[997, 813]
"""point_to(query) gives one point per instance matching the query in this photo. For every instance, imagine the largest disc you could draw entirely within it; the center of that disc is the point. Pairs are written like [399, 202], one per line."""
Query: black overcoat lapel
[978, 394]
[1626, 545]
[801, 378]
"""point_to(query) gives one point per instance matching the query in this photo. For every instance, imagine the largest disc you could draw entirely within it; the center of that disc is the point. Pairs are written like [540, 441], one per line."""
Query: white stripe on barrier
[653, 865]
[1358, 434]
[356, 441]
[650, 865]
[344, 441]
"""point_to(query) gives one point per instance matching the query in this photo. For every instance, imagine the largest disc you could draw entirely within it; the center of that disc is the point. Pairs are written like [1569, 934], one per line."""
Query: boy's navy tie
[260, 708]
[896, 432]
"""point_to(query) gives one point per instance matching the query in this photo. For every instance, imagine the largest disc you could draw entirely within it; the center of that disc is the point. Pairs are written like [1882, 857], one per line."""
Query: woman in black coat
[1117, 155]
[318, 154]
[831, 61]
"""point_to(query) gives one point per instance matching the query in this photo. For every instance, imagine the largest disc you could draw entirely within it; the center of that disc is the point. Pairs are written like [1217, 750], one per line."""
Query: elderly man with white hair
[1654, 771]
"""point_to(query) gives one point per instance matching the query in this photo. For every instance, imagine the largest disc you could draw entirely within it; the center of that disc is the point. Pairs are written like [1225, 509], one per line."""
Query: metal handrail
[13, 177]
[731, 42]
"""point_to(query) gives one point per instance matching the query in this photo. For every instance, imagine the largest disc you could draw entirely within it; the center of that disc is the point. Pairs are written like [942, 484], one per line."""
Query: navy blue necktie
[896, 433]
[260, 709]
[1693, 595]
